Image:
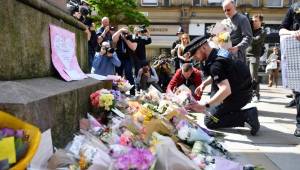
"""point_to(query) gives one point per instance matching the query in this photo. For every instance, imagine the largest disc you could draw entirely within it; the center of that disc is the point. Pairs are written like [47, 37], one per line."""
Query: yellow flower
[106, 101]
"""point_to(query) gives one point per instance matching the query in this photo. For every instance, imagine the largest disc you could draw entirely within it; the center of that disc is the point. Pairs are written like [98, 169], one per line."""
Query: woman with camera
[105, 61]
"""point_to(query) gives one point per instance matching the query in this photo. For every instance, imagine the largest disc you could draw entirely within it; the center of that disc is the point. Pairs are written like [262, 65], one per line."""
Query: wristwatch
[207, 105]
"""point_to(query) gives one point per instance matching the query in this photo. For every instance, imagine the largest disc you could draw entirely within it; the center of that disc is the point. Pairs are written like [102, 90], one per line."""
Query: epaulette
[223, 53]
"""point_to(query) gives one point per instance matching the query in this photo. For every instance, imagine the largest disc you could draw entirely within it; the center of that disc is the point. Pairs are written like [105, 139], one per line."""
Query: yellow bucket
[10, 121]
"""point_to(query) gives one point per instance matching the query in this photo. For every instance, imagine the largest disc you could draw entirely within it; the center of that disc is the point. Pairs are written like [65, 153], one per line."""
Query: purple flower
[19, 133]
[7, 132]
[117, 94]
[140, 159]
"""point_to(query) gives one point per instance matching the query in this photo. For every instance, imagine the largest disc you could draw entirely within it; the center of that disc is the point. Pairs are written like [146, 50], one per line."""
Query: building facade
[195, 16]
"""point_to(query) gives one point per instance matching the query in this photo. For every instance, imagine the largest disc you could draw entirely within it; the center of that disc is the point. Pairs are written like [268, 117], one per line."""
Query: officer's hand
[199, 90]
[233, 49]
[196, 107]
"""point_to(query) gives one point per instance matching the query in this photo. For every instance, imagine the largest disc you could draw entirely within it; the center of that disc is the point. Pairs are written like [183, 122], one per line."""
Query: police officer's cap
[195, 44]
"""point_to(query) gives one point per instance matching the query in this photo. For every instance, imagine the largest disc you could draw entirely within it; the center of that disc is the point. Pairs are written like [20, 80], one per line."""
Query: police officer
[291, 26]
[231, 88]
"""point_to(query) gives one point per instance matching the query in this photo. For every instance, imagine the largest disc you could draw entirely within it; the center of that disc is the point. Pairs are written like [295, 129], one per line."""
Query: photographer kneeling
[146, 76]
[105, 61]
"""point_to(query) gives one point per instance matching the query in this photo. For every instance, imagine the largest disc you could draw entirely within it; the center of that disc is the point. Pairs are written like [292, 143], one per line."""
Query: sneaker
[252, 120]
[289, 95]
[297, 132]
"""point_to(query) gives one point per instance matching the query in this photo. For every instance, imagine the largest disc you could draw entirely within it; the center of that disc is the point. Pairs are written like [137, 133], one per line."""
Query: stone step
[50, 103]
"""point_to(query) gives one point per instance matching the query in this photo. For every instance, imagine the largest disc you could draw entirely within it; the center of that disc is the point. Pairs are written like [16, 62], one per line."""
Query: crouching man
[231, 88]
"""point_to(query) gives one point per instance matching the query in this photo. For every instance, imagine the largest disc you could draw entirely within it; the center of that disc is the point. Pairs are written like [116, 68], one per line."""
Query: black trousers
[297, 100]
[229, 113]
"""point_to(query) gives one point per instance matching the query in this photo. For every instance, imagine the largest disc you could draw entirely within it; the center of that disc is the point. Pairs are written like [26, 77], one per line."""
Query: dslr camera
[108, 50]
[143, 29]
[126, 35]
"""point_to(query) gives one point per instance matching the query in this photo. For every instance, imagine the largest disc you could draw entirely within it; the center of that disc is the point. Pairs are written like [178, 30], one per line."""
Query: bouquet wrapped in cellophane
[221, 34]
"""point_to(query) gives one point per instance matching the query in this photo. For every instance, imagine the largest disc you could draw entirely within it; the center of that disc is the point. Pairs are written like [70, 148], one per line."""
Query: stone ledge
[50, 103]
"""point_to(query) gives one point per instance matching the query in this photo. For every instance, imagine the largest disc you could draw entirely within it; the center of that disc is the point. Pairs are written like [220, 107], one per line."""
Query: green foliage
[119, 11]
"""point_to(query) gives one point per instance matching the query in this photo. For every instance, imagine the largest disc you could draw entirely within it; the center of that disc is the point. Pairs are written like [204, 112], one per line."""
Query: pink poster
[63, 47]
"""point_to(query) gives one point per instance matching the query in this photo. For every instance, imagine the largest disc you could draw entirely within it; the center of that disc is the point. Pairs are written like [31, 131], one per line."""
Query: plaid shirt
[290, 62]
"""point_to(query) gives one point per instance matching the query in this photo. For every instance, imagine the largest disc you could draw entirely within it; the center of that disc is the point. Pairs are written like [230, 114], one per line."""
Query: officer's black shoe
[252, 120]
[291, 103]
[297, 132]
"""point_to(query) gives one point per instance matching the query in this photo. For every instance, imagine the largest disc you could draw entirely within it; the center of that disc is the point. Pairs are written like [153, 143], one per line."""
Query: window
[291, 2]
[149, 2]
[253, 3]
[274, 3]
[166, 2]
[196, 2]
[256, 3]
[215, 2]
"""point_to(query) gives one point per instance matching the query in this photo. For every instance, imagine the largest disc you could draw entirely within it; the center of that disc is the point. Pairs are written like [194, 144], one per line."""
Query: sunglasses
[227, 10]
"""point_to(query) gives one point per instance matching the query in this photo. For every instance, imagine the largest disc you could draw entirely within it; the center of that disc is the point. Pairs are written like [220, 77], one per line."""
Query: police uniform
[292, 22]
[220, 66]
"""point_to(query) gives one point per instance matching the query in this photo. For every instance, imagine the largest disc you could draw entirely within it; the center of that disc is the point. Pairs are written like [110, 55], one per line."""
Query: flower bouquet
[221, 33]
[133, 158]
[104, 101]
[16, 143]
[121, 84]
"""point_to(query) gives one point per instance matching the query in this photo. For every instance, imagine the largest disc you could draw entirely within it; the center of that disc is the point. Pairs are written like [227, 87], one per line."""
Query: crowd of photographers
[112, 51]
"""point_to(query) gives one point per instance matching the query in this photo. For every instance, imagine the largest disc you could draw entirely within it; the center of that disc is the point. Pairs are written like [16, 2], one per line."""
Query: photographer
[142, 37]
[164, 72]
[91, 33]
[105, 61]
[105, 32]
[146, 76]
[124, 50]
[254, 52]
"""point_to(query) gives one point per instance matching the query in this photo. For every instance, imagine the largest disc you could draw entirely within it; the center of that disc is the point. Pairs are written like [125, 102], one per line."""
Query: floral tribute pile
[154, 132]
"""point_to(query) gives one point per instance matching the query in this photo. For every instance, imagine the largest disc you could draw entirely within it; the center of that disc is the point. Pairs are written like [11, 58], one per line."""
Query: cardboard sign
[8, 150]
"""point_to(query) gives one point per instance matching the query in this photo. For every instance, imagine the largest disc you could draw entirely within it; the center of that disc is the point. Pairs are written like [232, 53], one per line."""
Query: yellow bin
[10, 121]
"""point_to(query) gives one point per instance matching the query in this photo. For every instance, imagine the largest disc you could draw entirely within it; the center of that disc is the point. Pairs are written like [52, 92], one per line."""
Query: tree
[119, 11]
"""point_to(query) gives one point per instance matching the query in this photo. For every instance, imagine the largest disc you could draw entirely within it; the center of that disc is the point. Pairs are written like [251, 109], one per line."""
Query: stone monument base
[50, 103]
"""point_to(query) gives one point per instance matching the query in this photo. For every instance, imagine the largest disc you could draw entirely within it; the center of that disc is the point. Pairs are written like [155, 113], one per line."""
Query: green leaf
[119, 12]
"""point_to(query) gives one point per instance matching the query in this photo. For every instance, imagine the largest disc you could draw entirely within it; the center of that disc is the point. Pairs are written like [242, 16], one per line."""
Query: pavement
[275, 147]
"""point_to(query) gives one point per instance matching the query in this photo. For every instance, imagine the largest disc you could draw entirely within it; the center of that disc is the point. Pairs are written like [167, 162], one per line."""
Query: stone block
[25, 39]
[50, 103]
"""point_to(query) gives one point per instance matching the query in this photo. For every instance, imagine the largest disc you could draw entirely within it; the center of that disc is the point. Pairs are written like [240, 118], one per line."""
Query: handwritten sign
[63, 55]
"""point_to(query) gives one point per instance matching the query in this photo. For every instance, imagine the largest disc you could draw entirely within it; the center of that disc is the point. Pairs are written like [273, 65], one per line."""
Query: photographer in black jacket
[142, 37]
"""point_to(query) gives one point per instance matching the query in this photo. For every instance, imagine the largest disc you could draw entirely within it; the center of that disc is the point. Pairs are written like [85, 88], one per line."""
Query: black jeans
[126, 67]
[229, 113]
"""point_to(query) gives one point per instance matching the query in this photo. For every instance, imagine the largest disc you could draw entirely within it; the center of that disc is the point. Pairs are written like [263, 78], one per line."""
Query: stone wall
[50, 103]
[24, 38]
